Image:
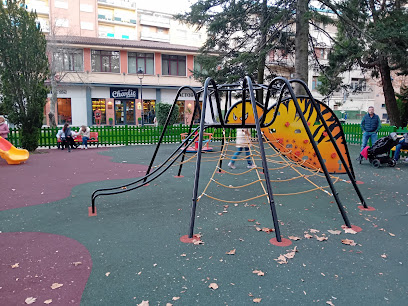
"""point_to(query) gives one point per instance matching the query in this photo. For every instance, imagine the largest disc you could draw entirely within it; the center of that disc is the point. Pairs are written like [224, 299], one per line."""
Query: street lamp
[140, 75]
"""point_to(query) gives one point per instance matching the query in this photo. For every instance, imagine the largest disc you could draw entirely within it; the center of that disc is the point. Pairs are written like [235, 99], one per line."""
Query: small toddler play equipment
[11, 154]
[193, 149]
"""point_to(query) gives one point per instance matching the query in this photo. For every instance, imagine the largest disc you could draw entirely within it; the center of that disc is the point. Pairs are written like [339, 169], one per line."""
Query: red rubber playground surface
[52, 252]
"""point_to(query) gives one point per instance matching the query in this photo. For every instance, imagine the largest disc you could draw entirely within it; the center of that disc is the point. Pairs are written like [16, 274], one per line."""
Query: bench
[78, 140]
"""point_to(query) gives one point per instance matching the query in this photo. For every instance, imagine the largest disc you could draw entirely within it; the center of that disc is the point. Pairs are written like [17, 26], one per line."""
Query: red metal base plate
[284, 243]
[369, 208]
[186, 239]
[353, 227]
[90, 214]
[178, 176]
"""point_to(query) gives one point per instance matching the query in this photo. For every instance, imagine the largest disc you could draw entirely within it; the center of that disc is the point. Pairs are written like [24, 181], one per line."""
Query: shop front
[124, 105]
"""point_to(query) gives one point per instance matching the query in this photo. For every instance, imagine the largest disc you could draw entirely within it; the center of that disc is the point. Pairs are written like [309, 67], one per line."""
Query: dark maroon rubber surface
[43, 259]
[50, 176]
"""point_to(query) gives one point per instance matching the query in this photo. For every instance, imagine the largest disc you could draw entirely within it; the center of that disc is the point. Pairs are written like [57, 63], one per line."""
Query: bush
[162, 111]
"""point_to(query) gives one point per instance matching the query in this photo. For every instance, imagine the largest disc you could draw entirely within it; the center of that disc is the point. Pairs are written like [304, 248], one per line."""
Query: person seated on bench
[85, 132]
[402, 145]
[66, 137]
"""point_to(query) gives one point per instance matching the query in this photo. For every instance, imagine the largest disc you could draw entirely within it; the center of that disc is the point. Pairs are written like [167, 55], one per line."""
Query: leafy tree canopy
[23, 70]
[371, 35]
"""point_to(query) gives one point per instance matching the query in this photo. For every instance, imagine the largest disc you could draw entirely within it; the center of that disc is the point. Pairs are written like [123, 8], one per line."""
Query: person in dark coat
[370, 125]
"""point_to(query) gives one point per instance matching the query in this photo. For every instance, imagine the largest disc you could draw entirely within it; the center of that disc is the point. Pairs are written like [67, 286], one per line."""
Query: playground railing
[132, 135]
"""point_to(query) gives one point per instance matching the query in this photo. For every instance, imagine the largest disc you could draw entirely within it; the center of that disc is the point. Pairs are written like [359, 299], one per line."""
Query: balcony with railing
[127, 4]
[156, 21]
[154, 36]
[41, 7]
[111, 19]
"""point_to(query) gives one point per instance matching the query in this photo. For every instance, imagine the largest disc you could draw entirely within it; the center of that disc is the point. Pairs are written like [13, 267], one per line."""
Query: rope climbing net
[278, 165]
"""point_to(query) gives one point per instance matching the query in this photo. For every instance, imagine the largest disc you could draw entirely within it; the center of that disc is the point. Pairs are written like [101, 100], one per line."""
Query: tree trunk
[301, 44]
[262, 50]
[389, 94]
[53, 101]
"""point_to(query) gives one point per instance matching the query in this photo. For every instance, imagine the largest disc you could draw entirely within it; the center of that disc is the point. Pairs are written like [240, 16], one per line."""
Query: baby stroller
[379, 153]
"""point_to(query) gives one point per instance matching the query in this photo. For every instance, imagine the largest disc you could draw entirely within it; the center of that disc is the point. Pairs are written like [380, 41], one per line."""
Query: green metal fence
[130, 135]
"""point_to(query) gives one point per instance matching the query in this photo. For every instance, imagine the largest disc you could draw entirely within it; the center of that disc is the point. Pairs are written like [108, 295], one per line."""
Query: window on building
[64, 111]
[173, 65]
[105, 61]
[383, 105]
[145, 61]
[316, 83]
[357, 84]
[69, 60]
[99, 104]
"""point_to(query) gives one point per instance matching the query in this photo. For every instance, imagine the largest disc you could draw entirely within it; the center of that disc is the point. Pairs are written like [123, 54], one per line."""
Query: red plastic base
[353, 227]
[185, 239]
[369, 208]
[145, 185]
[90, 214]
[222, 171]
[285, 242]
[178, 176]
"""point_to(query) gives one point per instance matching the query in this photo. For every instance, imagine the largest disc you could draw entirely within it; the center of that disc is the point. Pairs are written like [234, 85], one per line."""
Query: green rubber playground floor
[134, 241]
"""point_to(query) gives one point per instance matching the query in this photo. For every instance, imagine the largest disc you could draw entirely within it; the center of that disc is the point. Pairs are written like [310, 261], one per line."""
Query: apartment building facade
[112, 57]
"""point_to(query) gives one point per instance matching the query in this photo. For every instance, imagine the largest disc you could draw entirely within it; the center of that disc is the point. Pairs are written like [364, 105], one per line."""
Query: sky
[165, 6]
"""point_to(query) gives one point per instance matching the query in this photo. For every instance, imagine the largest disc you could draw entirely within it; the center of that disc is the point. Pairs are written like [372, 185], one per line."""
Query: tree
[163, 110]
[23, 70]
[240, 36]
[242, 33]
[372, 35]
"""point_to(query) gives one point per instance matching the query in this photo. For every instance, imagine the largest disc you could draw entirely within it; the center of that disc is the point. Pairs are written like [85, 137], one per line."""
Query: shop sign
[123, 93]
[186, 95]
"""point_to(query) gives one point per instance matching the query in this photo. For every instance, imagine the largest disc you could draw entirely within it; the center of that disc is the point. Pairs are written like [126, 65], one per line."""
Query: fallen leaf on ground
[391, 234]
[281, 260]
[15, 265]
[314, 231]
[294, 238]
[330, 303]
[175, 298]
[213, 286]
[308, 236]
[384, 256]
[169, 304]
[77, 263]
[251, 220]
[143, 303]
[258, 272]
[257, 300]
[349, 231]
[322, 238]
[196, 242]
[107, 273]
[183, 255]
[258, 229]
[48, 301]
[334, 232]
[267, 230]
[349, 242]
[30, 300]
[232, 252]
[56, 285]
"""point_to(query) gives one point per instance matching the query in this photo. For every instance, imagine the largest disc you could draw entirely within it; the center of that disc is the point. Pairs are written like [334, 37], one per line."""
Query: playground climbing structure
[302, 132]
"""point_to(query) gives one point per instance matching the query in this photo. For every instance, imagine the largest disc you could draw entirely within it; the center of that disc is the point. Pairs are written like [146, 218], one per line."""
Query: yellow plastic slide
[11, 154]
